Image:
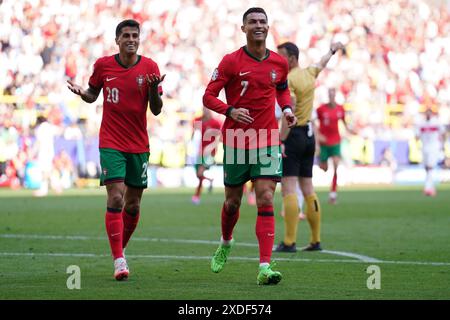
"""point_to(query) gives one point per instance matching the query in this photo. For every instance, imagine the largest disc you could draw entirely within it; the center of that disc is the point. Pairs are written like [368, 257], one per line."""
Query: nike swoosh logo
[244, 73]
[115, 234]
[109, 79]
[270, 234]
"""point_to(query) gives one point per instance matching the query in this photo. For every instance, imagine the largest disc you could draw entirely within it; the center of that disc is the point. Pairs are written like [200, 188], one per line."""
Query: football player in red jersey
[329, 138]
[253, 77]
[208, 129]
[130, 82]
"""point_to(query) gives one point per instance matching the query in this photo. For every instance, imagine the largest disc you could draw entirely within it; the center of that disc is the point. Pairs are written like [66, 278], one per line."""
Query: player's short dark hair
[251, 10]
[291, 49]
[126, 23]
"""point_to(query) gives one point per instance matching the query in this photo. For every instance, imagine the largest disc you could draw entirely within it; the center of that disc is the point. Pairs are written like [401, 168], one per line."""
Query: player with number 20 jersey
[125, 102]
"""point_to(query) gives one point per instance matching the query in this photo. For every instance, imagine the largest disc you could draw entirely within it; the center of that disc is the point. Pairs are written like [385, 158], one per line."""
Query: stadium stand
[396, 64]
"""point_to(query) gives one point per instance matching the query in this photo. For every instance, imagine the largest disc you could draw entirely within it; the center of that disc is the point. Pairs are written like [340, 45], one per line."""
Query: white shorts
[430, 158]
[45, 164]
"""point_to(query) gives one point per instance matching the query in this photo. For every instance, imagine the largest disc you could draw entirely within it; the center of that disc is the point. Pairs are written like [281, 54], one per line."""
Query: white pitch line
[183, 241]
[352, 255]
[146, 256]
[49, 237]
[174, 257]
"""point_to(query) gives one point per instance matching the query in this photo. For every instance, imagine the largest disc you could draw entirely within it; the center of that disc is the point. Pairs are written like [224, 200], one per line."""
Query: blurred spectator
[63, 172]
[388, 159]
[9, 177]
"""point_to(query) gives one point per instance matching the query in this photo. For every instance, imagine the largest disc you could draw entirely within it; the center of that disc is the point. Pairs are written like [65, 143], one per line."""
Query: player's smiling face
[256, 26]
[128, 40]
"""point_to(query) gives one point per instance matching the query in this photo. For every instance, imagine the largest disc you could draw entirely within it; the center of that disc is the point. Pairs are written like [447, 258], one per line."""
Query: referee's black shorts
[300, 147]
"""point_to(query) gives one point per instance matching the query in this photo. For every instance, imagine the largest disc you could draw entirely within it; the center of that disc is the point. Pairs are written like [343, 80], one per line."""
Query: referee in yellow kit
[299, 147]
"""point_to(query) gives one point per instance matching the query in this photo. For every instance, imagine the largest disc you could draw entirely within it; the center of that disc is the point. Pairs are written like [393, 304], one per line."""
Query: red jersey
[211, 124]
[329, 123]
[125, 102]
[251, 84]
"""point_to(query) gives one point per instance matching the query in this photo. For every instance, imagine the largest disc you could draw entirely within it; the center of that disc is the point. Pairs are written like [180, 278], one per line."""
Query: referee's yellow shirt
[302, 84]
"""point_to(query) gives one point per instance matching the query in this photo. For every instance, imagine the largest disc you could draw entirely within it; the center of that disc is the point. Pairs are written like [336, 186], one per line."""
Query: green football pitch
[396, 231]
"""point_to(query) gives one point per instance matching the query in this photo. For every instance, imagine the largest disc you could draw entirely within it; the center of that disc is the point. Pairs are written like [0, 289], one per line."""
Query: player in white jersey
[44, 149]
[431, 134]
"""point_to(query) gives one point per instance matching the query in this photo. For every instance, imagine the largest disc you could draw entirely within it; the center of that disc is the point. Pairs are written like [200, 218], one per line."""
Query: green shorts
[329, 151]
[118, 166]
[205, 162]
[241, 165]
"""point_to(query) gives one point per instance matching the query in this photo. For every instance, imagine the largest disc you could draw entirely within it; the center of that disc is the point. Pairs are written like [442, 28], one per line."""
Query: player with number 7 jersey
[253, 77]
[252, 84]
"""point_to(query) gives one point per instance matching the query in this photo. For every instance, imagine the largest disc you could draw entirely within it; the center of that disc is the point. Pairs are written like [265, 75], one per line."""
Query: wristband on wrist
[287, 109]
[228, 112]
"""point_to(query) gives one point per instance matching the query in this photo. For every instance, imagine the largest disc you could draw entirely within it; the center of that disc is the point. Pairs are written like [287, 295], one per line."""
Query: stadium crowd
[396, 64]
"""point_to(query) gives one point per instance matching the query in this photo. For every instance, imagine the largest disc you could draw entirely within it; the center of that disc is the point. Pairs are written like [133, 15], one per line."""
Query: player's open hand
[75, 88]
[241, 115]
[154, 80]
[291, 119]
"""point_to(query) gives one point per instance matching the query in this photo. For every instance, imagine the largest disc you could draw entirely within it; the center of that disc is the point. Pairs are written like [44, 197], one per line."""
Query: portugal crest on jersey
[140, 80]
[273, 75]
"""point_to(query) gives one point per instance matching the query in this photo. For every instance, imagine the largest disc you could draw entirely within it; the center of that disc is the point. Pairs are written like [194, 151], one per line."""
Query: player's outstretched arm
[334, 47]
[154, 97]
[89, 95]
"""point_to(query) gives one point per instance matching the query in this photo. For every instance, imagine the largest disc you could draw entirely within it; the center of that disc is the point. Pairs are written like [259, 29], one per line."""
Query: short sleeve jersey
[329, 123]
[125, 102]
[252, 84]
[301, 85]
[430, 132]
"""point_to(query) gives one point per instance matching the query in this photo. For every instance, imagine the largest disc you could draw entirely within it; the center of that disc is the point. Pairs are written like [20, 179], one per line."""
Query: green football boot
[267, 276]
[220, 257]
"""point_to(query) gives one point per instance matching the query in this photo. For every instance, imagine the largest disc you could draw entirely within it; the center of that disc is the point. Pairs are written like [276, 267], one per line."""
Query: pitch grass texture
[406, 231]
